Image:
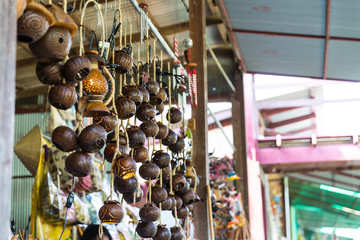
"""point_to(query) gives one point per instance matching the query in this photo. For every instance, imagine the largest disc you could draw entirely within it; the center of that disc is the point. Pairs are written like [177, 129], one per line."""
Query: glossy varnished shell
[79, 164]
[77, 69]
[124, 167]
[64, 138]
[128, 185]
[149, 170]
[111, 212]
[49, 73]
[126, 107]
[62, 96]
[149, 212]
[92, 138]
[150, 128]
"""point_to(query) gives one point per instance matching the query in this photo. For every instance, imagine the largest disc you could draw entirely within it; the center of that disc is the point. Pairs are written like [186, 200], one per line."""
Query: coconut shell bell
[95, 86]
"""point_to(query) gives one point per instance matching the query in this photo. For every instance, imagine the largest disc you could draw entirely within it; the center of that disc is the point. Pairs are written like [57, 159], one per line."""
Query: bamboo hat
[28, 149]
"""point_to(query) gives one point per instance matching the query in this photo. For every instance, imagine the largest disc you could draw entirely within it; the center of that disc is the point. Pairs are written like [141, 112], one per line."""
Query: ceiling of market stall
[170, 17]
[317, 39]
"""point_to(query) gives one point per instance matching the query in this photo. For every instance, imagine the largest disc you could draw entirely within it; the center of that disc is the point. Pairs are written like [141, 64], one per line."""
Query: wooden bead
[77, 69]
[32, 26]
[110, 150]
[159, 98]
[107, 122]
[163, 131]
[145, 112]
[170, 139]
[149, 212]
[177, 234]
[62, 96]
[146, 229]
[158, 194]
[124, 167]
[149, 170]
[54, 45]
[145, 94]
[129, 197]
[178, 182]
[152, 87]
[64, 138]
[140, 154]
[124, 60]
[133, 93]
[150, 128]
[162, 233]
[175, 115]
[92, 138]
[111, 212]
[128, 185]
[182, 212]
[79, 164]
[49, 73]
[178, 146]
[125, 107]
[161, 158]
[137, 137]
[95, 83]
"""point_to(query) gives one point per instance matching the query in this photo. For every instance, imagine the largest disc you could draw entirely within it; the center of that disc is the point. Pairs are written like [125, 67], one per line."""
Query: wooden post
[200, 134]
[239, 136]
[7, 108]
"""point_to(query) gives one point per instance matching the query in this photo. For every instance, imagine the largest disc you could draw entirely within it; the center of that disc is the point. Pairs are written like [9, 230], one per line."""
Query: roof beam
[270, 112]
[300, 103]
[292, 120]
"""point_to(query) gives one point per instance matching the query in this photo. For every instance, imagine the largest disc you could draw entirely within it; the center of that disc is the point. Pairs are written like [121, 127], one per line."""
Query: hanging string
[169, 96]
[154, 53]
[161, 184]
[101, 231]
[50, 1]
[65, 6]
[121, 26]
[138, 60]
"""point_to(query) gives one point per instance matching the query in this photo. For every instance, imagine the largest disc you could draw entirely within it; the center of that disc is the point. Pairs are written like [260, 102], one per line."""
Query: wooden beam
[292, 120]
[199, 113]
[7, 108]
[269, 112]
[31, 93]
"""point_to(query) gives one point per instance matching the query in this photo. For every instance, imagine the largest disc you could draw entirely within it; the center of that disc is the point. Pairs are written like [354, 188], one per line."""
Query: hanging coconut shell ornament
[95, 107]
[140, 154]
[166, 172]
[124, 167]
[188, 197]
[107, 122]
[167, 204]
[162, 233]
[152, 87]
[110, 150]
[64, 138]
[79, 164]
[149, 212]
[161, 158]
[145, 94]
[62, 96]
[159, 108]
[178, 182]
[178, 202]
[182, 212]
[158, 194]
[170, 139]
[34, 23]
[111, 212]
[178, 146]
[146, 229]
[49, 73]
[130, 197]
[123, 59]
[128, 185]
[77, 69]
[177, 234]
[150, 128]
[92, 138]
[122, 137]
[126, 107]
[145, 112]
[159, 98]
[133, 93]
[184, 189]
[53, 46]
[20, 7]
[136, 137]
[62, 19]
[175, 115]
[163, 131]
[95, 83]
[149, 170]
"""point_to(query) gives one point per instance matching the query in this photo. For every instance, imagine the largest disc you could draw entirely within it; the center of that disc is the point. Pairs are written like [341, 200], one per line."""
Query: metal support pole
[287, 207]
[218, 123]
[231, 85]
